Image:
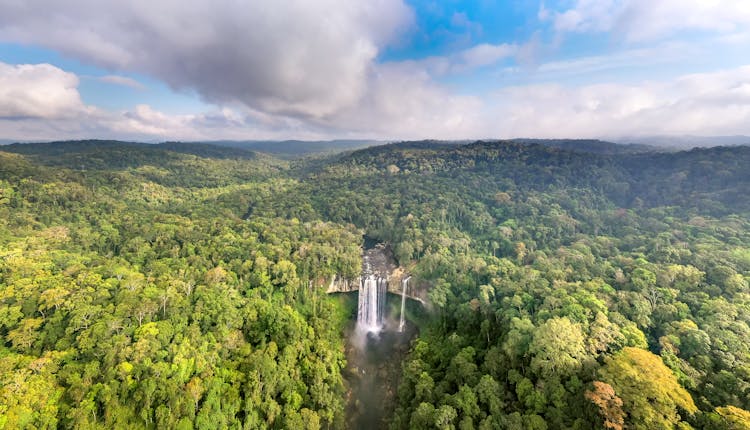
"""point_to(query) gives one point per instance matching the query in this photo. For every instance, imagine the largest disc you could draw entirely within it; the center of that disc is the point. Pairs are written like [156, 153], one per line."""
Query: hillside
[294, 149]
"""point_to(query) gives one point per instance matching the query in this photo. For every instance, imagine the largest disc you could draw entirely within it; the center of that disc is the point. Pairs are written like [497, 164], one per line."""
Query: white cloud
[665, 53]
[461, 62]
[308, 66]
[292, 57]
[543, 14]
[42, 102]
[485, 54]
[405, 103]
[38, 91]
[461, 20]
[715, 103]
[648, 20]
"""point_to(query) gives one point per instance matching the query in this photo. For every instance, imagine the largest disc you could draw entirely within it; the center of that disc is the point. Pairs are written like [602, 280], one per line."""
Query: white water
[402, 320]
[371, 304]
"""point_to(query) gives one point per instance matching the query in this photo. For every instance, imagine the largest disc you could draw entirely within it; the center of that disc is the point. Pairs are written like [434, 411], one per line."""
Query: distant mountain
[291, 149]
[294, 149]
[592, 146]
[108, 154]
[686, 142]
[286, 149]
[589, 146]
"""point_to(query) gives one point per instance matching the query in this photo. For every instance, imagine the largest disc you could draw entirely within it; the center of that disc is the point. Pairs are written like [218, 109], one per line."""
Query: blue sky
[385, 69]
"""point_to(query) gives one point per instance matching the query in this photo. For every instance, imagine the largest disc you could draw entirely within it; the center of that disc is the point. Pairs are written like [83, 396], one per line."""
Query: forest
[571, 284]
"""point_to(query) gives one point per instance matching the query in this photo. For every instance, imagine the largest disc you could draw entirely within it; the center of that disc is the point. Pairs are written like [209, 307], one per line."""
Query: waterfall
[371, 303]
[402, 321]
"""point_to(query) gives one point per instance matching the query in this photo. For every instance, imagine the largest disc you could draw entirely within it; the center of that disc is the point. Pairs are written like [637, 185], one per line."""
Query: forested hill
[593, 146]
[132, 294]
[572, 290]
[104, 154]
[707, 177]
[182, 286]
[294, 149]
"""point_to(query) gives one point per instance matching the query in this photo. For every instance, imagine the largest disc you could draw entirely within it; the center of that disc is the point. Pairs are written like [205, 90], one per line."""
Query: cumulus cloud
[41, 101]
[647, 20]
[38, 91]
[295, 57]
[292, 66]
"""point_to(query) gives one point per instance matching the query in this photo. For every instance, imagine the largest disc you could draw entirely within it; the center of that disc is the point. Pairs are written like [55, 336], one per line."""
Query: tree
[444, 417]
[558, 348]
[26, 334]
[734, 418]
[649, 391]
[423, 417]
[610, 406]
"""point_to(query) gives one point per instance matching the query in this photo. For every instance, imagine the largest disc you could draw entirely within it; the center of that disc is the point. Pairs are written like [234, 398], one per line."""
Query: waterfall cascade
[371, 303]
[402, 320]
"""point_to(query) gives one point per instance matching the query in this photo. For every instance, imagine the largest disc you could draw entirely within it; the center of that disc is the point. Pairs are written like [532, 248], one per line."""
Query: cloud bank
[716, 103]
[277, 69]
[708, 103]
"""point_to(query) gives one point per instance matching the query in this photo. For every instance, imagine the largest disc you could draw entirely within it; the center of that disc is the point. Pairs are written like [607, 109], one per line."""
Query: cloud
[647, 20]
[38, 91]
[406, 103]
[123, 81]
[670, 52]
[485, 54]
[715, 103]
[461, 62]
[403, 103]
[291, 57]
[42, 102]
[461, 20]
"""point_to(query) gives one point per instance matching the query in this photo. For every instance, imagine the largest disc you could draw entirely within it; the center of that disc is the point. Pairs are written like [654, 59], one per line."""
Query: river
[374, 369]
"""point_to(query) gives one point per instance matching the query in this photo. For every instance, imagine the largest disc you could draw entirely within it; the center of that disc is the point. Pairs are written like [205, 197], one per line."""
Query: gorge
[377, 344]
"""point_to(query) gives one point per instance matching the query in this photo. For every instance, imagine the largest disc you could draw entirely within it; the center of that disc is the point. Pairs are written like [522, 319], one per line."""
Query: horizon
[388, 70]
[680, 143]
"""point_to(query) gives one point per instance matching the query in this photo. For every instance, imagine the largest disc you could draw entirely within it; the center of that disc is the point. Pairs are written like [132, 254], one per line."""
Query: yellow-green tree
[649, 390]
[734, 418]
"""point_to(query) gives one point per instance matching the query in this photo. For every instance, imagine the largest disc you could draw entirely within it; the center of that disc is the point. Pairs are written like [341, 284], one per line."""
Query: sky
[156, 70]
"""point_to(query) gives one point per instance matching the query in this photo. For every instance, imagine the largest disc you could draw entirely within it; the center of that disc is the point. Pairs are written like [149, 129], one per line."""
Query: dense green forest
[183, 285]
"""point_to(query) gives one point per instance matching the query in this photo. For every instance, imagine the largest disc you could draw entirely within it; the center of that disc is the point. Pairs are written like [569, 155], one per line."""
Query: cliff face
[379, 261]
[342, 285]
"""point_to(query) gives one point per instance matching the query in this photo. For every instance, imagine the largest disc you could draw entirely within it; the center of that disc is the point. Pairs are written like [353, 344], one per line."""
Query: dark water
[374, 369]
[370, 242]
